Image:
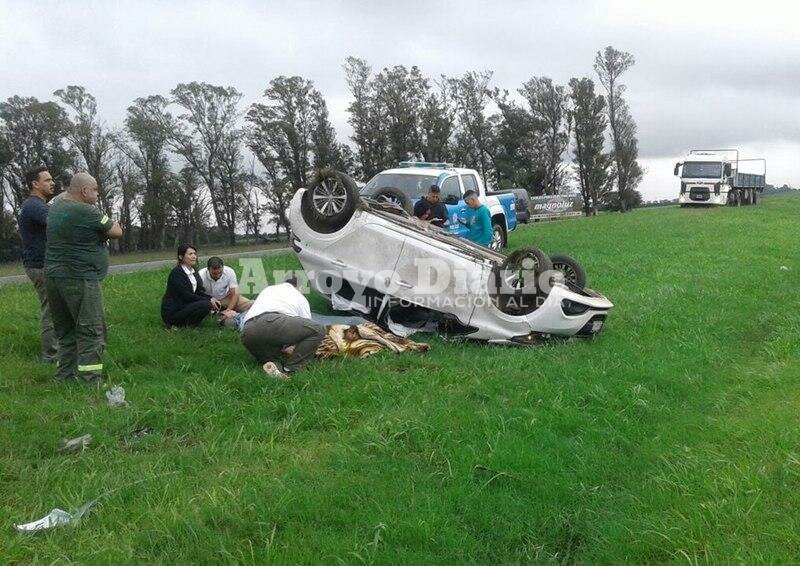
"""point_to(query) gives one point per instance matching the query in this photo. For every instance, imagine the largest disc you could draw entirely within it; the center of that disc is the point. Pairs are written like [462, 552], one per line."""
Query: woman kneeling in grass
[185, 302]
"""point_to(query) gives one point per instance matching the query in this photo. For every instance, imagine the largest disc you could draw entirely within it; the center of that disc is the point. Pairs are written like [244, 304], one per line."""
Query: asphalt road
[153, 265]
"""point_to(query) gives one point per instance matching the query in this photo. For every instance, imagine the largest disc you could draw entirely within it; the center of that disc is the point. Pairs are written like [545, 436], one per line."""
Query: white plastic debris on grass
[784, 268]
[116, 397]
[75, 444]
[55, 518]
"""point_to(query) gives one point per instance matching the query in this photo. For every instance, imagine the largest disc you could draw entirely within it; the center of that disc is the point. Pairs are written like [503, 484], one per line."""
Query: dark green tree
[474, 138]
[35, 134]
[368, 118]
[548, 107]
[609, 65]
[589, 125]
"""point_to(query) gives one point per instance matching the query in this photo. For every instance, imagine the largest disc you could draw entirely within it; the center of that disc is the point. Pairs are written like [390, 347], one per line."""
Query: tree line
[196, 165]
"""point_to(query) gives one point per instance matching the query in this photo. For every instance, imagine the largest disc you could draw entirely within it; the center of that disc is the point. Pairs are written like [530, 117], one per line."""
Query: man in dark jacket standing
[33, 230]
[76, 262]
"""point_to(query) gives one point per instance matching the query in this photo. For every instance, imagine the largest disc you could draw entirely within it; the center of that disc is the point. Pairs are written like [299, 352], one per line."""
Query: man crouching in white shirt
[220, 282]
[277, 326]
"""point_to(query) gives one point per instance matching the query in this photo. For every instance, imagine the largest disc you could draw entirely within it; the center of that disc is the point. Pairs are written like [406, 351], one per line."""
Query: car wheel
[390, 195]
[329, 201]
[498, 237]
[516, 282]
[573, 272]
[733, 198]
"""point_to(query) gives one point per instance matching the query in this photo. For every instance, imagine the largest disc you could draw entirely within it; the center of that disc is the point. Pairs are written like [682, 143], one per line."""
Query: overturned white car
[373, 258]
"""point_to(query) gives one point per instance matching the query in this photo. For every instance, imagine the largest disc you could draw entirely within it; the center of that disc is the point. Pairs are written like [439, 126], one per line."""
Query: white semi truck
[719, 177]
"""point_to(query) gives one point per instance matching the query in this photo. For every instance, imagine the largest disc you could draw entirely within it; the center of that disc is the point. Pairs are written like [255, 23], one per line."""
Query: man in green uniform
[76, 262]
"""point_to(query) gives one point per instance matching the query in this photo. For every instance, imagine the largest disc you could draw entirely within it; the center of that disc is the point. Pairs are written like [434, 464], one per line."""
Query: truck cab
[715, 177]
[411, 180]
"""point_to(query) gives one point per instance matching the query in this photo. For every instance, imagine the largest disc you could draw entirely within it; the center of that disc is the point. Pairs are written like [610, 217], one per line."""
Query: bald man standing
[76, 262]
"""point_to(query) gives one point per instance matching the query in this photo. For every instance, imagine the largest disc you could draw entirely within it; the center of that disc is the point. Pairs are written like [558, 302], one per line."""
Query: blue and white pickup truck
[410, 182]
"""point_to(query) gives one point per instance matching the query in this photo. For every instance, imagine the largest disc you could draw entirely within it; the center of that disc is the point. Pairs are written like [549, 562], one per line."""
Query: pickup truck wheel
[573, 272]
[498, 237]
[329, 201]
[516, 282]
[394, 196]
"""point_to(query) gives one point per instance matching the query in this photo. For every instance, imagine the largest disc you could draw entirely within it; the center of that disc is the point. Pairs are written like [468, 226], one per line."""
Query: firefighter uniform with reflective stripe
[76, 262]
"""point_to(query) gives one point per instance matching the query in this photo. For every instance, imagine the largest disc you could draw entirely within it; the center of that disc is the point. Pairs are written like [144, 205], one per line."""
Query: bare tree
[130, 187]
[145, 144]
[589, 124]
[609, 65]
[93, 143]
[207, 137]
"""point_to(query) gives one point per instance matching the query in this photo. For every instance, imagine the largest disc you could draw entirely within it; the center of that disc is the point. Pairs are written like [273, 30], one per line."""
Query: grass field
[673, 436]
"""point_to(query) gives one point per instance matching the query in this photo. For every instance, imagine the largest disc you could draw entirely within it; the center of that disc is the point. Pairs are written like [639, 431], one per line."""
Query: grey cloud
[702, 76]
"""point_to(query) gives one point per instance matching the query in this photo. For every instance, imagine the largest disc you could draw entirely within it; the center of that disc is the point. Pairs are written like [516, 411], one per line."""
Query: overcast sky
[707, 74]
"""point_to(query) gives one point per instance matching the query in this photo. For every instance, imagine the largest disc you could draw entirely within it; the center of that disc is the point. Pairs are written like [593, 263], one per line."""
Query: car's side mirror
[451, 199]
[727, 170]
[677, 167]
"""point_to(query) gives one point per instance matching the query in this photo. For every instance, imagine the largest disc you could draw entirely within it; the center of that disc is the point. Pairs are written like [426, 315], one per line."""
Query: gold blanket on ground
[360, 341]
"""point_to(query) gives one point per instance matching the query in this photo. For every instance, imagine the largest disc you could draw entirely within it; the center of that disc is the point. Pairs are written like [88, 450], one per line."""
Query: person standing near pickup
[431, 209]
[480, 222]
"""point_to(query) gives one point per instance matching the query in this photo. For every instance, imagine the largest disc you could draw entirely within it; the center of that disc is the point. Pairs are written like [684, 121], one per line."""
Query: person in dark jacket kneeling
[185, 302]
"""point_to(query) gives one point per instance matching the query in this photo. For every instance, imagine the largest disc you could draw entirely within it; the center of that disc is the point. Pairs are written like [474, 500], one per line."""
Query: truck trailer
[720, 177]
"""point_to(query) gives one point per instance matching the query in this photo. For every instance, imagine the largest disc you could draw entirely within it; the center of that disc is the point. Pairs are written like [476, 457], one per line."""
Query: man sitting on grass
[220, 282]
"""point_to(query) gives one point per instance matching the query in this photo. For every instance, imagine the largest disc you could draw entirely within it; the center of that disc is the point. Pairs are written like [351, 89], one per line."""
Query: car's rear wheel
[572, 271]
[516, 282]
[498, 237]
[329, 201]
[396, 197]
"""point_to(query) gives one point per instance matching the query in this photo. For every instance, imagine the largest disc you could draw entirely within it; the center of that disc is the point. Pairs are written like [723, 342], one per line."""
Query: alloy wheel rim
[329, 197]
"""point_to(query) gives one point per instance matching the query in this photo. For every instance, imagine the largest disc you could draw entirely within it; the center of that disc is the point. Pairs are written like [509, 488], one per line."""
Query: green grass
[673, 436]
[15, 267]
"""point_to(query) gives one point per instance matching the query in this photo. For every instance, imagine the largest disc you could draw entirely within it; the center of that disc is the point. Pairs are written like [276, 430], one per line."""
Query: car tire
[498, 237]
[329, 201]
[394, 196]
[521, 301]
[571, 269]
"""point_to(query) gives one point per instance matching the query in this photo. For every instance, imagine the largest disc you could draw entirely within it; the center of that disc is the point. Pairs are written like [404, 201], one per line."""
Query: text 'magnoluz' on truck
[720, 177]
[411, 181]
